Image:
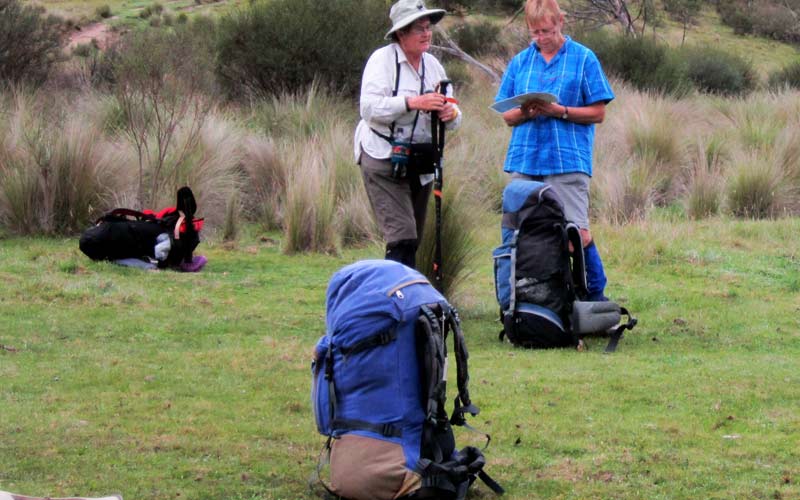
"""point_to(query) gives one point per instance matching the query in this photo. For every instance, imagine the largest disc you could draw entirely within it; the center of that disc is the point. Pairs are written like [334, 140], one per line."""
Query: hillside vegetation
[196, 385]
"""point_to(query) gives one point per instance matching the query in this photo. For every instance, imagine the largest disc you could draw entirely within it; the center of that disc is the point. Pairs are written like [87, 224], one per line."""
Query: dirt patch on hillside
[100, 32]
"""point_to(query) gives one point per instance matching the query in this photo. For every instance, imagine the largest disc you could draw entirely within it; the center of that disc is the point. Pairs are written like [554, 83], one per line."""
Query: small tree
[29, 42]
[162, 81]
[600, 12]
[685, 11]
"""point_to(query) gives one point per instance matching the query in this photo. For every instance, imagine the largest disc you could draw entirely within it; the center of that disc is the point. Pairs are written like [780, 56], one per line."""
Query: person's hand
[448, 113]
[536, 107]
[431, 101]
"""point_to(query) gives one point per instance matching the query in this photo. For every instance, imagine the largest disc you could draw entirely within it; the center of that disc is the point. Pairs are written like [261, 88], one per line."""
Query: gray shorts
[572, 189]
[399, 205]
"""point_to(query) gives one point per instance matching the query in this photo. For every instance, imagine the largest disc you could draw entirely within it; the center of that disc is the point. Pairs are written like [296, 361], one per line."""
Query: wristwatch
[565, 114]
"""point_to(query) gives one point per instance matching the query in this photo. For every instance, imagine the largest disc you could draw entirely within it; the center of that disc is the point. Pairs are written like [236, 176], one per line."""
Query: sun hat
[405, 12]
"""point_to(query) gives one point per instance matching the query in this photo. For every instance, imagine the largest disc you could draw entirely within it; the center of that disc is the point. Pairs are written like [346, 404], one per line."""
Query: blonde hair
[536, 10]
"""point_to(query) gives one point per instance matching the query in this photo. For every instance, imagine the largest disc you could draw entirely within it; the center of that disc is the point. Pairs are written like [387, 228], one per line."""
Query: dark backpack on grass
[124, 233]
[540, 284]
[379, 388]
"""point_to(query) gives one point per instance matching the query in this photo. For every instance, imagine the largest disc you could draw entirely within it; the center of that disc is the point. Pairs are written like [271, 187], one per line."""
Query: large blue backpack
[379, 387]
[541, 285]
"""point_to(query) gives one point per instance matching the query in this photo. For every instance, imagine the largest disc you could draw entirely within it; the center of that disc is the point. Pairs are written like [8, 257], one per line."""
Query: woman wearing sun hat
[399, 89]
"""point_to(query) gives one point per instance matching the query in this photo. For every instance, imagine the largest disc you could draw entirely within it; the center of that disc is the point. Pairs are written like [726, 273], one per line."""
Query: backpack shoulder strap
[125, 212]
[463, 404]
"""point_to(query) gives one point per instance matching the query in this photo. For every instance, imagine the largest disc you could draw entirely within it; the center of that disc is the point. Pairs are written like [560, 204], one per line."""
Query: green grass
[167, 385]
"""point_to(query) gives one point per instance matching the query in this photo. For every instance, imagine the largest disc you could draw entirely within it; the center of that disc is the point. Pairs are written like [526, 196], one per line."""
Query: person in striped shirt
[552, 142]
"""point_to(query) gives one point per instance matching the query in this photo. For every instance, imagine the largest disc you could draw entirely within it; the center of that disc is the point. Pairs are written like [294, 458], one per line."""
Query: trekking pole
[437, 133]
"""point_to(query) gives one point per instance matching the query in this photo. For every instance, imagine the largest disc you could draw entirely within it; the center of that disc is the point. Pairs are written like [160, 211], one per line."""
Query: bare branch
[454, 50]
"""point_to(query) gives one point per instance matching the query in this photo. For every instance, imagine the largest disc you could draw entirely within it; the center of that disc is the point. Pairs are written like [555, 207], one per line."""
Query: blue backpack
[379, 387]
[541, 285]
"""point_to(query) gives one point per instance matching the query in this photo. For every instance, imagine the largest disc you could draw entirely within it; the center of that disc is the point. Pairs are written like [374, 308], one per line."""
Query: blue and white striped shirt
[551, 146]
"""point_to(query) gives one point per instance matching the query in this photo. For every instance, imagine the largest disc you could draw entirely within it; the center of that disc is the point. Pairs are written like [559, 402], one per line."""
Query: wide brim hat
[405, 12]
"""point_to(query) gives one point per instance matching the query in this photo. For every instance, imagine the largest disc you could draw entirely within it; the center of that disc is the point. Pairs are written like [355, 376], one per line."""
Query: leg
[595, 274]
[403, 251]
[420, 195]
[573, 190]
[392, 203]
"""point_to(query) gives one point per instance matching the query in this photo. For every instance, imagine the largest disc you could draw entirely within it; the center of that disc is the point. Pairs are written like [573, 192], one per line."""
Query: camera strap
[390, 137]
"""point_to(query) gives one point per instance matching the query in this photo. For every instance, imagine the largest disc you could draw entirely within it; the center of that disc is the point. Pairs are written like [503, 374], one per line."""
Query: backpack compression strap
[346, 424]
[617, 333]
[457, 474]
[463, 404]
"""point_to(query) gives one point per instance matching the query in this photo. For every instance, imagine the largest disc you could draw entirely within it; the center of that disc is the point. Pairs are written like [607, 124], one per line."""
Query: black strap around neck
[390, 137]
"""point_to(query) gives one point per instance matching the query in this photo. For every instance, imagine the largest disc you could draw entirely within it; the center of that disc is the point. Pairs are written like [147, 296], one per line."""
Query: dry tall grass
[56, 168]
[288, 161]
[310, 201]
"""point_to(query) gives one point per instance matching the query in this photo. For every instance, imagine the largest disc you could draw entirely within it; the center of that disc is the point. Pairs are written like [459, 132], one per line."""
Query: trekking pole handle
[443, 84]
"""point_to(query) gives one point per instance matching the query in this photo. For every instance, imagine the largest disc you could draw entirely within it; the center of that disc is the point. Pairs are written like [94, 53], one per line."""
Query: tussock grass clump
[309, 219]
[266, 176]
[301, 114]
[757, 121]
[753, 186]
[706, 182]
[355, 221]
[461, 220]
[209, 163]
[56, 169]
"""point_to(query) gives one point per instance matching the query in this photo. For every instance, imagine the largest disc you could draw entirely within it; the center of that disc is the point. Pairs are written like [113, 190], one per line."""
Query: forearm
[514, 117]
[594, 113]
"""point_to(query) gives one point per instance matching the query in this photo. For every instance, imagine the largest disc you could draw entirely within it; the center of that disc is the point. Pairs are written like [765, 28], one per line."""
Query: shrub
[478, 39]
[502, 6]
[29, 42]
[788, 76]
[734, 15]
[775, 21]
[644, 63]
[103, 12]
[281, 45]
[458, 73]
[146, 12]
[718, 72]
[84, 50]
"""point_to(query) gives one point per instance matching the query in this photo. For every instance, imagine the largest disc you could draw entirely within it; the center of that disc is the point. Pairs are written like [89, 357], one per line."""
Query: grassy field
[165, 385]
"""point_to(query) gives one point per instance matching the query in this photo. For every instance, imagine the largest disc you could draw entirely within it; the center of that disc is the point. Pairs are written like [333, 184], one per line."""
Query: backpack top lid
[517, 192]
[372, 295]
